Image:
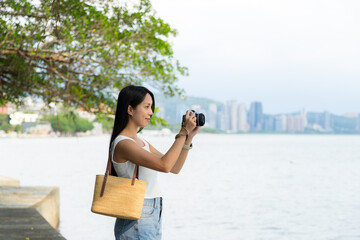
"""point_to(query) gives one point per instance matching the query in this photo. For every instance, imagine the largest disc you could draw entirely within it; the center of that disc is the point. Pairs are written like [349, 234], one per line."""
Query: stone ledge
[46, 200]
[11, 182]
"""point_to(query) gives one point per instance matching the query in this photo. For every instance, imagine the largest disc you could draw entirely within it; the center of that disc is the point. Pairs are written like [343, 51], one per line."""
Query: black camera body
[200, 118]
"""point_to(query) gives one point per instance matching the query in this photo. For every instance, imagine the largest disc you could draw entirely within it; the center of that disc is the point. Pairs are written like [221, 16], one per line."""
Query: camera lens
[200, 119]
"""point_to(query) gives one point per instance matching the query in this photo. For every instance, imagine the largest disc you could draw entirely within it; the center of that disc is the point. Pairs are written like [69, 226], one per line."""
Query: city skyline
[233, 116]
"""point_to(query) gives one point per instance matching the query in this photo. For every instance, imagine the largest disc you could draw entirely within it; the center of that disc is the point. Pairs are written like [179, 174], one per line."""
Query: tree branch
[13, 14]
[7, 34]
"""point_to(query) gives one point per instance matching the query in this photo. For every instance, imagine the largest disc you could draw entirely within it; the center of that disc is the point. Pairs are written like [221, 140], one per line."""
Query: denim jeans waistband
[155, 202]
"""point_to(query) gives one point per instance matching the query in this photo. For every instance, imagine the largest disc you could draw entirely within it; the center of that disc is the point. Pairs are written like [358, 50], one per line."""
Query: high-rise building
[281, 123]
[303, 114]
[222, 120]
[269, 124]
[299, 123]
[290, 124]
[256, 116]
[295, 123]
[211, 116]
[233, 116]
[242, 118]
[326, 121]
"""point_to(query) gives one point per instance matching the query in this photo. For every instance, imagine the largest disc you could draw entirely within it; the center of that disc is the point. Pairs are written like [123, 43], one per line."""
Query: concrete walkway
[25, 224]
[28, 213]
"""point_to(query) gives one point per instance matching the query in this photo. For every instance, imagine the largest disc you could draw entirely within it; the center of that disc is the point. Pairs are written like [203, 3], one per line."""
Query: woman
[135, 107]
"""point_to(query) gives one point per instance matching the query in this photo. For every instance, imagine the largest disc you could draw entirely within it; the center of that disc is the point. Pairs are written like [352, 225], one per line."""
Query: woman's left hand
[194, 132]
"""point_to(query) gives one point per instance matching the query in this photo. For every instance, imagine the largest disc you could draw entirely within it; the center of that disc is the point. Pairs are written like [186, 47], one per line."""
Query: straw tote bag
[118, 197]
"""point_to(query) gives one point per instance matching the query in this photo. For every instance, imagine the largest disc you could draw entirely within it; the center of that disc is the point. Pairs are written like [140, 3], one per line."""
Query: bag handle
[108, 170]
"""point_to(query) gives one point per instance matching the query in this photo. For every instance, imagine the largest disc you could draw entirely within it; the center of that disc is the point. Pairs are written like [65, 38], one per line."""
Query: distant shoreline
[29, 136]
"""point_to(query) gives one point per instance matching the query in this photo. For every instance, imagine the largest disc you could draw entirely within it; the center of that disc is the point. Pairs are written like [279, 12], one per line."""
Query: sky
[287, 54]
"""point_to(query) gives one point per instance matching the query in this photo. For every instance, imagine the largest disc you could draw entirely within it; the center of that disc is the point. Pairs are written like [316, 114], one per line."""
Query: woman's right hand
[190, 121]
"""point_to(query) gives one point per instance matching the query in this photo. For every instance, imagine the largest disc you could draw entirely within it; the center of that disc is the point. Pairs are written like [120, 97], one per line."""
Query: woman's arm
[129, 150]
[181, 160]
[183, 155]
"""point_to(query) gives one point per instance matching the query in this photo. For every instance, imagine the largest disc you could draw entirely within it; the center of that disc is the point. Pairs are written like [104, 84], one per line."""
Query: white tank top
[127, 168]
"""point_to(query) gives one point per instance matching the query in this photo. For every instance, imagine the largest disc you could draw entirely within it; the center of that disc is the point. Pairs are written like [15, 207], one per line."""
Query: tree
[4, 118]
[82, 125]
[107, 123]
[79, 52]
[68, 122]
[6, 126]
[18, 128]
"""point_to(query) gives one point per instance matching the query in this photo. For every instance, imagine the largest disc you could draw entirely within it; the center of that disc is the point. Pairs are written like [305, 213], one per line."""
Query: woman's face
[142, 113]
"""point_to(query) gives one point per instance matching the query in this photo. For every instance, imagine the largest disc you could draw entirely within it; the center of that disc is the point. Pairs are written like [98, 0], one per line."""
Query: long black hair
[133, 96]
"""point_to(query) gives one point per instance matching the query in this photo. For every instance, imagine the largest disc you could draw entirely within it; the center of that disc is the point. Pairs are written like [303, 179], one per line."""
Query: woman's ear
[130, 110]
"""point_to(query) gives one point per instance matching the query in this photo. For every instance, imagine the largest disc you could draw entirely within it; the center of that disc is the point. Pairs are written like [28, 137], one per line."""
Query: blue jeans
[148, 227]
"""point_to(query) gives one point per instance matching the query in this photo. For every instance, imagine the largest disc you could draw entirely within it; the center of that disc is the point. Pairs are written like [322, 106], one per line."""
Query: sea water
[231, 186]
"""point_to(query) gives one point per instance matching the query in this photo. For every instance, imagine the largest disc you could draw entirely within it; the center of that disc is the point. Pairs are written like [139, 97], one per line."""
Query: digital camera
[200, 118]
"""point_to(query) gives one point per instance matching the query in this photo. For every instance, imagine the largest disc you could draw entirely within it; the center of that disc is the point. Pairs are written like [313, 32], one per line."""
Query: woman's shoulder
[142, 143]
[120, 138]
[146, 143]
